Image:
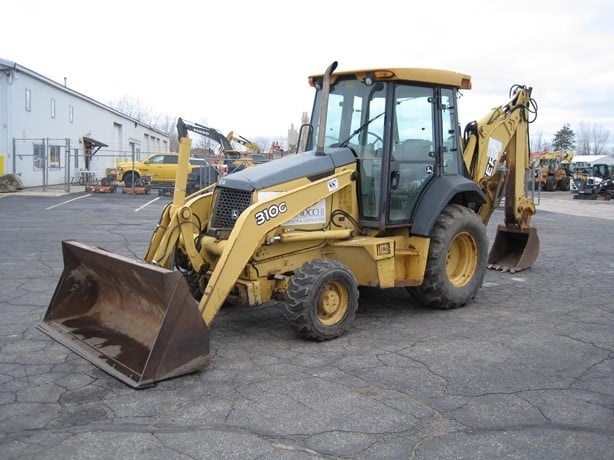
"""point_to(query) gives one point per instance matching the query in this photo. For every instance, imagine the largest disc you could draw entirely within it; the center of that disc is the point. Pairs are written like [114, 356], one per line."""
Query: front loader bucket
[136, 321]
[513, 249]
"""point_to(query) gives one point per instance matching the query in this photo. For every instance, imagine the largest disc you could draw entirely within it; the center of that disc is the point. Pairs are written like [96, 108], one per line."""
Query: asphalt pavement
[523, 372]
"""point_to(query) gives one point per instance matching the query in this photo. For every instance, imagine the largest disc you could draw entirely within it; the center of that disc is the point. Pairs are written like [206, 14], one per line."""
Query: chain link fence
[59, 164]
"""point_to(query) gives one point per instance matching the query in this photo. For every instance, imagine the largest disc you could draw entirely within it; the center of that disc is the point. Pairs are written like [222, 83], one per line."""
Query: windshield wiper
[360, 128]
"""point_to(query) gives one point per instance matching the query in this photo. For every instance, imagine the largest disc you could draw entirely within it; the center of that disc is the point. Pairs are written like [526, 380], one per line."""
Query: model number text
[270, 213]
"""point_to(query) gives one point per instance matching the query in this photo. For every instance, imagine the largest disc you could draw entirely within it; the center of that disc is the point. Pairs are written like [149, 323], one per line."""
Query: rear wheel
[456, 262]
[321, 299]
[565, 184]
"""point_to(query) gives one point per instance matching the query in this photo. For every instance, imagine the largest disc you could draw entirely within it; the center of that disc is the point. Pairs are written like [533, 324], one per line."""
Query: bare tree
[168, 124]
[538, 142]
[592, 139]
[133, 107]
[204, 143]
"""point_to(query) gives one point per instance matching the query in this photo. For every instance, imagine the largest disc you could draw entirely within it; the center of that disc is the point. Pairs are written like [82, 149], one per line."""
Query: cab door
[413, 149]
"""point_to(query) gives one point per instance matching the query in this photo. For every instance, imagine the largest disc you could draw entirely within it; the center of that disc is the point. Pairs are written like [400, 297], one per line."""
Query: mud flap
[513, 249]
[135, 321]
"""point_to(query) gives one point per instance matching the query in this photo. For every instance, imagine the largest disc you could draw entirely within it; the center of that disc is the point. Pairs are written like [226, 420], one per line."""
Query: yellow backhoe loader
[554, 174]
[389, 193]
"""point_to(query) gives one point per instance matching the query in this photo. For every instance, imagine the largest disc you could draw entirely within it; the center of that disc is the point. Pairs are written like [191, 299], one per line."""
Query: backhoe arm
[496, 155]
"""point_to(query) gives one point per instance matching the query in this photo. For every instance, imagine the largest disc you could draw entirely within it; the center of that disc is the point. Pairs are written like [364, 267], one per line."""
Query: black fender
[438, 193]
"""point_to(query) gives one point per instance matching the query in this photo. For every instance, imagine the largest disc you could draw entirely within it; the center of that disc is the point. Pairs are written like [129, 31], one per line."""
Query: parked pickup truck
[161, 168]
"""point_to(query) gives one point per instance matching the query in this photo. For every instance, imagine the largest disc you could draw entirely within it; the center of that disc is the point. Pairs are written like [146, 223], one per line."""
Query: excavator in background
[388, 194]
[256, 156]
[554, 171]
[234, 160]
[249, 145]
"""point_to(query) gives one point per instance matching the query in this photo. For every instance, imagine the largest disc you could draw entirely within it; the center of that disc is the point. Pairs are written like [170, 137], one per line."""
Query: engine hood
[305, 164]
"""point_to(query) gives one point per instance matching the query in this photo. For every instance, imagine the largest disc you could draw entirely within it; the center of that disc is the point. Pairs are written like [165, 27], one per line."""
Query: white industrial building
[51, 134]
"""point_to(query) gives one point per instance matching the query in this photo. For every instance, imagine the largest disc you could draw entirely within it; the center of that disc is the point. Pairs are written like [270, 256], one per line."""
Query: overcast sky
[242, 65]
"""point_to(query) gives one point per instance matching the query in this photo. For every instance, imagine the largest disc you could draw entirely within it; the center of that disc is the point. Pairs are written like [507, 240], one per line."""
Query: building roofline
[11, 66]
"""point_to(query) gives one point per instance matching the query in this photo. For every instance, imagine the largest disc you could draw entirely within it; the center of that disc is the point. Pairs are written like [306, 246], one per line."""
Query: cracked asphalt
[524, 372]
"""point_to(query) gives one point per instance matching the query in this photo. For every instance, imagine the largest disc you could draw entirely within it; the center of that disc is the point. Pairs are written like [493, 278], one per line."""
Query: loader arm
[249, 232]
[176, 219]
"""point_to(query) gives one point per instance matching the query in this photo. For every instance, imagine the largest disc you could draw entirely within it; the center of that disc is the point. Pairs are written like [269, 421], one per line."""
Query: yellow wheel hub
[462, 259]
[332, 303]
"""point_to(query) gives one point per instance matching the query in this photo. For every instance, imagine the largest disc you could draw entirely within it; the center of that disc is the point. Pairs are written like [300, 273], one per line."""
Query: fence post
[14, 156]
[45, 163]
[67, 168]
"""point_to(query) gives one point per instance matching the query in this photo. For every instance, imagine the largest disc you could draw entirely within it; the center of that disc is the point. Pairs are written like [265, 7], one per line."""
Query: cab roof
[418, 75]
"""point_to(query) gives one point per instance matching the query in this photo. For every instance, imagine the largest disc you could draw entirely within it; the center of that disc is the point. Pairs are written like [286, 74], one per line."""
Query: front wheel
[456, 262]
[130, 179]
[550, 184]
[321, 299]
[565, 184]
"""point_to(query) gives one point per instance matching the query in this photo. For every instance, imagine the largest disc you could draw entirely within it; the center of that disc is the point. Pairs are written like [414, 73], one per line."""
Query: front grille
[229, 204]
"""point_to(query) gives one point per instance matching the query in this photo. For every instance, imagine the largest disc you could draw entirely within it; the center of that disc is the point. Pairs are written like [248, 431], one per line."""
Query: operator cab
[404, 135]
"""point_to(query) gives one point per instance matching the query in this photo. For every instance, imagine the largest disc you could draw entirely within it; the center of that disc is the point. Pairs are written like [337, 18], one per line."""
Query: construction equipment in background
[602, 191]
[249, 145]
[140, 186]
[234, 160]
[595, 182]
[553, 171]
[255, 156]
[107, 184]
[275, 151]
[199, 177]
[588, 175]
[388, 194]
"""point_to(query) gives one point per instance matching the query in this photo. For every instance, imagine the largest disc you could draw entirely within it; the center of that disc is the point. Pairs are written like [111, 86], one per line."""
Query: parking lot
[525, 371]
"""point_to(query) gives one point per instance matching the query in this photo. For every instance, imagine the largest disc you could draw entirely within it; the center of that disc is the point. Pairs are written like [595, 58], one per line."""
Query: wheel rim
[332, 303]
[462, 259]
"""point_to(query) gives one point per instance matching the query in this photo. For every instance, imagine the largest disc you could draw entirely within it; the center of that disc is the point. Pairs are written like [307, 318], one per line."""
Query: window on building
[28, 100]
[54, 156]
[52, 107]
[71, 113]
[39, 156]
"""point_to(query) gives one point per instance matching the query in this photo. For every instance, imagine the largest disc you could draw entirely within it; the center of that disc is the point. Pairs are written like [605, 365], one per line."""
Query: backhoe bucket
[136, 321]
[513, 249]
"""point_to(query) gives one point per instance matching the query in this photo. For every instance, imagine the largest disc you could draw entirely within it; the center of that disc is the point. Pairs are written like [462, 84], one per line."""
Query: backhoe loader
[388, 193]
